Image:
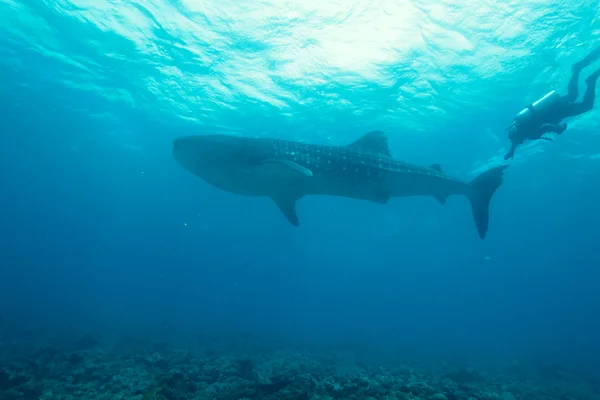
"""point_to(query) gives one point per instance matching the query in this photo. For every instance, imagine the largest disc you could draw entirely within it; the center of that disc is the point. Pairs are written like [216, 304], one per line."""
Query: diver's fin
[283, 167]
[436, 167]
[483, 188]
[287, 204]
[372, 142]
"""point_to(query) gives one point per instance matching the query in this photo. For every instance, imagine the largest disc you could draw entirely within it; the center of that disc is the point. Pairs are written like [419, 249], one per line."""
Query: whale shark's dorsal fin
[372, 142]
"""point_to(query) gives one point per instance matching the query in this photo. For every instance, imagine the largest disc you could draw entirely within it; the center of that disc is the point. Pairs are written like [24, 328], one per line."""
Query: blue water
[101, 230]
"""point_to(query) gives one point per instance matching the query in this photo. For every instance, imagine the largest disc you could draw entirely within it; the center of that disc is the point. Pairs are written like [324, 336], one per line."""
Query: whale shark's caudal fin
[482, 189]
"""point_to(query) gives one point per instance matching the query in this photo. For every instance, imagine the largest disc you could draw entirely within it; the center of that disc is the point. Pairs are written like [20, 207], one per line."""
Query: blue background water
[101, 229]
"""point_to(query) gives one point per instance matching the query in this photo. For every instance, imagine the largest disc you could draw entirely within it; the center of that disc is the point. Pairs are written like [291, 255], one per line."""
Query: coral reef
[89, 370]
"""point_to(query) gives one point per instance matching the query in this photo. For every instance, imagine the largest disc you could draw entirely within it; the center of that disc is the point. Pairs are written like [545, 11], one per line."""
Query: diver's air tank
[538, 107]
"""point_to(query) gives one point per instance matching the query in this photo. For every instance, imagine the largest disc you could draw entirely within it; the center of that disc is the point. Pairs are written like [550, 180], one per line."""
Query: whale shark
[286, 171]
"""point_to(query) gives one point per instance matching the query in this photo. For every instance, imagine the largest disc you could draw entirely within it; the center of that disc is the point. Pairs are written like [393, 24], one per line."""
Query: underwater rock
[30, 390]
[86, 342]
[75, 359]
[12, 394]
[8, 381]
[465, 375]
[158, 361]
[4, 381]
[245, 368]
[277, 384]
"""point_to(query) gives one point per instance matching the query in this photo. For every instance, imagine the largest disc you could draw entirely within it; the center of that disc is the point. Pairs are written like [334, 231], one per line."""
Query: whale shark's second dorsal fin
[372, 142]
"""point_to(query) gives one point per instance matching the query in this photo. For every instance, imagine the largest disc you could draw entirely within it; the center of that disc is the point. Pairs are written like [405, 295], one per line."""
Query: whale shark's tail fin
[482, 189]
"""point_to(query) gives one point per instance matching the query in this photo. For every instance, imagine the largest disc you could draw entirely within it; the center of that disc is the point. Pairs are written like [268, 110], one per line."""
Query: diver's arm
[511, 152]
[553, 128]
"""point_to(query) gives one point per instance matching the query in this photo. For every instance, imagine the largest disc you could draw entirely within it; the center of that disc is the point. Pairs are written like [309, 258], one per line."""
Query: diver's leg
[587, 104]
[587, 60]
[573, 83]
[511, 152]
[590, 92]
[576, 70]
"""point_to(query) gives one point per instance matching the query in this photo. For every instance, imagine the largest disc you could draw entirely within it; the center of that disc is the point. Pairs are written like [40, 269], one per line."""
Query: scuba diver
[545, 115]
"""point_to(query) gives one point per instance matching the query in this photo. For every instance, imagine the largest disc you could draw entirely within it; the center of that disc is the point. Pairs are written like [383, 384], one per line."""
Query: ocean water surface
[118, 263]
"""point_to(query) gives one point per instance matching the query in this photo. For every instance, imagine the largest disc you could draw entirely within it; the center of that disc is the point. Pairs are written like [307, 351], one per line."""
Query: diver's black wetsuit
[549, 120]
[572, 109]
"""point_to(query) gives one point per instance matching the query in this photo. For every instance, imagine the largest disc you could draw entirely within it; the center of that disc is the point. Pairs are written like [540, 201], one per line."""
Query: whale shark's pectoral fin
[281, 166]
[441, 199]
[287, 204]
[379, 197]
[282, 172]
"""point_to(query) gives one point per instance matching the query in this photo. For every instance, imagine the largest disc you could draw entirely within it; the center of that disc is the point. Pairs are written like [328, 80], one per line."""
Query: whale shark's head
[223, 161]
[210, 151]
